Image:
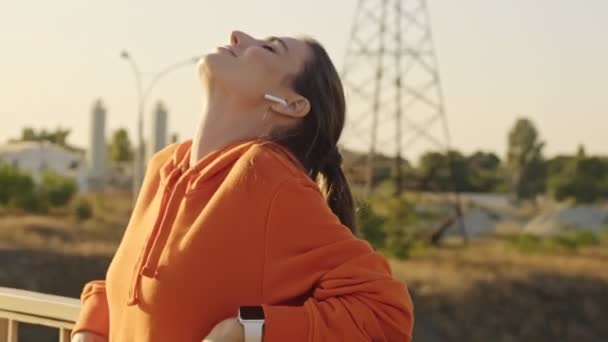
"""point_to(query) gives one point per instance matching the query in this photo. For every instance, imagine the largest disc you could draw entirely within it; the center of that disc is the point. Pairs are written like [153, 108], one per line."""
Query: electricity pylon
[392, 83]
[393, 88]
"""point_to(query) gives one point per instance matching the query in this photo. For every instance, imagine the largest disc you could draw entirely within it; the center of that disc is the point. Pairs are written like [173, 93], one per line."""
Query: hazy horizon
[543, 60]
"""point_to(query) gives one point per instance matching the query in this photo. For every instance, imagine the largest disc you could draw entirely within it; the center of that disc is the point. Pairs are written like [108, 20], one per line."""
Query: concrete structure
[158, 132]
[560, 218]
[96, 155]
[36, 157]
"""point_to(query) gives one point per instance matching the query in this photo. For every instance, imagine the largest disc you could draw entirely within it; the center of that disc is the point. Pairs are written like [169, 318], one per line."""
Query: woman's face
[251, 67]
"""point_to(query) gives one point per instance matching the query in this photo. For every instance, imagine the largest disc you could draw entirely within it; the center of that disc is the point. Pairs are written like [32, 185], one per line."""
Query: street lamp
[142, 95]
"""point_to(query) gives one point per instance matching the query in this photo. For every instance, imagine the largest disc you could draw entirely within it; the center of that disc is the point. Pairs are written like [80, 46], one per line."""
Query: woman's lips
[226, 48]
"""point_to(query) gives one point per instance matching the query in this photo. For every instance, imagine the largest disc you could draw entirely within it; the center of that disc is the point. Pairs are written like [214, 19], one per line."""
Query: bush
[398, 243]
[371, 225]
[57, 189]
[579, 238]
[603, 235]
[83, 210]
[400, 226]
[391, 225]
[525, 242]
[13, 183]
[29, 201]
[565, 241]
[18, 190]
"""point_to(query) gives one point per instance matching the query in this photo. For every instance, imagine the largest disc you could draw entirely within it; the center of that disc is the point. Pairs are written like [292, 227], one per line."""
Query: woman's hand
[228, 330]
[85, 336]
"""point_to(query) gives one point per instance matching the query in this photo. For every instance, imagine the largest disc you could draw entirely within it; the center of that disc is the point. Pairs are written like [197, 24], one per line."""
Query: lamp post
[142, 95]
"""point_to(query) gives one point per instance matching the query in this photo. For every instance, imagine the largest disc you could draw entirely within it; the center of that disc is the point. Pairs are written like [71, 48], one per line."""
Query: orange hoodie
[243, 226]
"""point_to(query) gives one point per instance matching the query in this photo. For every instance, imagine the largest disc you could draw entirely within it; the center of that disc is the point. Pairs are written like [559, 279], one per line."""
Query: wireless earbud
[275, 99]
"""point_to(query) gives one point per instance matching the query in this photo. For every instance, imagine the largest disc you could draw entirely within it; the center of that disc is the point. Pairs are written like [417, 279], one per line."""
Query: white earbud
[275, 99]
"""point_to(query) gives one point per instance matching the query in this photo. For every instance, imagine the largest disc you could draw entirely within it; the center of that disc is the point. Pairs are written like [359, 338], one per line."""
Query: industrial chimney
[158, 133]
[96, 155]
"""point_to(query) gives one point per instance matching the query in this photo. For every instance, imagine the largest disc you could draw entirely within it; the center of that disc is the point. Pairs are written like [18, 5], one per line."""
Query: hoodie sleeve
[94, 315]
[346, 290]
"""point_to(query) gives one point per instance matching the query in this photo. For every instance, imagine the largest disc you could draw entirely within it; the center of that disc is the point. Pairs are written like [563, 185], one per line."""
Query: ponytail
[337, 191]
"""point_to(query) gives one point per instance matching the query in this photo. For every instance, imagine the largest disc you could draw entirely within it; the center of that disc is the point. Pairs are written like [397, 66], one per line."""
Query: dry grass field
[490, 292]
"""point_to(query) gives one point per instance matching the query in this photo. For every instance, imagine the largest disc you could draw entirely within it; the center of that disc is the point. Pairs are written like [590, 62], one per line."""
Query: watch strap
[253, 331]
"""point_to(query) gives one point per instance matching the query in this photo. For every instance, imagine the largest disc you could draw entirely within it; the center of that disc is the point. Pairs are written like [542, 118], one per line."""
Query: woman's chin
[205, 66]
[210, 62]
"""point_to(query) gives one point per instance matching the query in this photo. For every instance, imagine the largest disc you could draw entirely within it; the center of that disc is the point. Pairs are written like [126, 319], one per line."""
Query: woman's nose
[241, 38]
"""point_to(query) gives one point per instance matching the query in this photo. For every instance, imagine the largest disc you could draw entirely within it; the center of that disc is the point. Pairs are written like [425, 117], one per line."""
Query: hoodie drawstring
[141, 267]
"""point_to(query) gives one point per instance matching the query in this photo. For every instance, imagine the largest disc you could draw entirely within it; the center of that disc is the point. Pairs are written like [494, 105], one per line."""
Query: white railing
[20, 306]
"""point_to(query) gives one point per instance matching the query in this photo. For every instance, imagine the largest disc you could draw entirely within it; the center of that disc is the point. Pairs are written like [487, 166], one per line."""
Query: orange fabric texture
[243, 226]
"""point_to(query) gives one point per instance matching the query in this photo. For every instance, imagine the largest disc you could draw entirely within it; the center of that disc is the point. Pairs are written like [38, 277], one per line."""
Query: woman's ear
[296, 108]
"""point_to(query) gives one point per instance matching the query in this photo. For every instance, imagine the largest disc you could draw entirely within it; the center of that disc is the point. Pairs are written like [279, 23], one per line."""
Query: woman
[234, 217]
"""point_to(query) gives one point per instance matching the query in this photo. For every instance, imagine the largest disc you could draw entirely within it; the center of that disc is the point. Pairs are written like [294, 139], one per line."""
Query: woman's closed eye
[269, 48]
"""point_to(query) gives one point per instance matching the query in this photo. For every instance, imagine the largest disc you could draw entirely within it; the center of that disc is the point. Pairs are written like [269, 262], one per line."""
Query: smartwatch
[252, 319]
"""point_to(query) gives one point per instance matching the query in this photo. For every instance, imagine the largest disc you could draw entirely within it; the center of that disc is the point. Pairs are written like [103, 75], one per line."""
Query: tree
[460, 172]
[484, 160]
[28, 134]
[526, 174]
[120, 149]
[433, 171]
[58, 137]
[444, 172]
[557, 164]
[583, 179]
[485, 172]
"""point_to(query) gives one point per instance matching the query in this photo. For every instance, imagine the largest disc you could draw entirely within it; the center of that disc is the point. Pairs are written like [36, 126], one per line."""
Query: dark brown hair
[314, 140]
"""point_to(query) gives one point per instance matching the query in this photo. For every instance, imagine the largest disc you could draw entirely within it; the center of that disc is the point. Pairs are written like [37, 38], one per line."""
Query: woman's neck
[223, 123]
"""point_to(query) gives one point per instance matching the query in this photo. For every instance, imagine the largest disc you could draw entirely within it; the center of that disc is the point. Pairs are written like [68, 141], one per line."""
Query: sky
[499, 60]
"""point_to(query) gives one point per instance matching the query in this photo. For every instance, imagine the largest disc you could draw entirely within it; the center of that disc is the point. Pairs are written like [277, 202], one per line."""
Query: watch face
[251, 312]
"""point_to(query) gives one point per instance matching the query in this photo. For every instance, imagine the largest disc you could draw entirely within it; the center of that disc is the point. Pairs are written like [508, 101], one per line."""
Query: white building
[36, 157]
